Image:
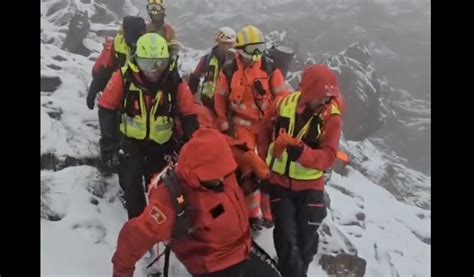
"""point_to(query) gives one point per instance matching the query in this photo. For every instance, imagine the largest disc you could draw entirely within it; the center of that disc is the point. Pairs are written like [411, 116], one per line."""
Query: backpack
[183, 223]
[266, 65]
[277, 57]
[207, 60]
[230, 67]
[282, 57]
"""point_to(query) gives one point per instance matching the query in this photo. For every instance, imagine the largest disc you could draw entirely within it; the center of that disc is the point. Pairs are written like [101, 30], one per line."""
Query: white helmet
[225, 34]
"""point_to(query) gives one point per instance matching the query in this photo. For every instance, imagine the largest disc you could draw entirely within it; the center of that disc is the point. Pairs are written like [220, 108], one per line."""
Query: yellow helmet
[249, 35]
[159, 2]
[250, 43]
[156, 5]
[152, 46]
[151, 53]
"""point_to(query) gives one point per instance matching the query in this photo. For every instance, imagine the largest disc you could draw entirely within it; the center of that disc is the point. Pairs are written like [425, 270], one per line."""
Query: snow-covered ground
[85, 216]
[81, 212]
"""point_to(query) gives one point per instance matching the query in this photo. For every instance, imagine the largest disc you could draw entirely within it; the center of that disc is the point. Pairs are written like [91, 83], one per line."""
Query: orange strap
[343, 157]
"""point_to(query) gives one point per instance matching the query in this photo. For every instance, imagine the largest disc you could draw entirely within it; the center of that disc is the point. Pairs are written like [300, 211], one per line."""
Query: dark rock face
[49, 161]
[50, 83]
[78, 29]
[113, 8]
[362, 91]
[343, 265]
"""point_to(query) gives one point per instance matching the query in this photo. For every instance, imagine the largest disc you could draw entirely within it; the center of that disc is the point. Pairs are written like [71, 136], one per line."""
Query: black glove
[99, 81]
[193, 83]
[90, 99]
[207, 102]
[256, 224]
[108, 123]
[109, 155]
[109, 142]
[294, 152]
[264, 186]
[190, 124]
[267, 223]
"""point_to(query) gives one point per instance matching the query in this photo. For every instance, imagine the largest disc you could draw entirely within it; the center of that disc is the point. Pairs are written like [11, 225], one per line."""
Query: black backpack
[282, 57]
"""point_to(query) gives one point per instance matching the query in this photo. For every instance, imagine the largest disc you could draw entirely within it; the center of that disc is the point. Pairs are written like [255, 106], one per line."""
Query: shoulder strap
[166, 267]
[207, 59]
[166, 32]
[172, 84]
[316, 127]
[126, 76]
[268, 65]
[263, 256]
[126, 81]
[183, 219]
[228, 69]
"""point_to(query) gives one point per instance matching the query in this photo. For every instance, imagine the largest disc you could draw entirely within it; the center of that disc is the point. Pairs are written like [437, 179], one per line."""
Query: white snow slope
[82, 214]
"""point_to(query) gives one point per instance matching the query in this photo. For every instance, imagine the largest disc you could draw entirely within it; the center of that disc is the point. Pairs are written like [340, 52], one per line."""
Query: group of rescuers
[248, 153]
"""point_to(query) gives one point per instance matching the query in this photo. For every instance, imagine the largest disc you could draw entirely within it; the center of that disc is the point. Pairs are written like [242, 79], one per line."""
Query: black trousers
[139, 161]
[297, 216]
[253, 267]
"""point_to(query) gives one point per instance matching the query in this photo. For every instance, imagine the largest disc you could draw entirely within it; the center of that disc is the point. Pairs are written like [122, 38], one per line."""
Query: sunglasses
[254, 57]
[253, 49]
[155, 9]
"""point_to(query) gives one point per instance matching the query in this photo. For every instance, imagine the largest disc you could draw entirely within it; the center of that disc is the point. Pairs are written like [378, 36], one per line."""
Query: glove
[256, 164]
[281, 143]
[294, 151]
[247, 185]
[109, 155]
[193, 83]
[173, 61]
[189, 124]
[268, 223]
[111, 162]
[91, 95]
[99, 82]
[256, 224]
